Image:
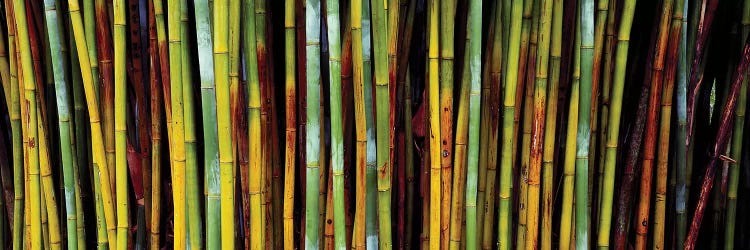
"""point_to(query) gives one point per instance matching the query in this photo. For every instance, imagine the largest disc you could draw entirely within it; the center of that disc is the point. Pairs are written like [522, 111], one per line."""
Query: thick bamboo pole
[312, 151]
[121, 168]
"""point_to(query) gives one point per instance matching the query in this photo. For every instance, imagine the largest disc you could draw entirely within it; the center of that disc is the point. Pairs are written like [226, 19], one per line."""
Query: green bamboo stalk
[15, 123]
[291, 122]
[606, 87]
[63, 112]
[485, 130]
[382, 85]
[210, 132]
[312, 33]
[613, 131]
[78, 135]
[551, 125]
[736, 147]
[258, 200]
[226, 157]
[680, 147]
[586, 9]
[89, 25]
[567, 230]
[475, 66]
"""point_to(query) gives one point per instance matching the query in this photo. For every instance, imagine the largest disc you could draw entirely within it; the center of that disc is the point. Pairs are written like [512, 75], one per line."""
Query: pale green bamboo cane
[613, 131]
[63, 112]
[337, 136]
[371, 213]
[680, 155]
[312, 151]
[459, 170]
[586, 10]
[89, 26]
[475, 66]
[210, 132]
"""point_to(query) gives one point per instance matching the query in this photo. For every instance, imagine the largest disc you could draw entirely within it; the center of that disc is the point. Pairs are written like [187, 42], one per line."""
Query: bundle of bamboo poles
[432, 124]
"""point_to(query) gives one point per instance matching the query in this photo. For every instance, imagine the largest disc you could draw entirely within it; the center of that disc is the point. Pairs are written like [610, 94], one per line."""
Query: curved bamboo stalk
[312, 34]
[226, 157]
[291, 124]
[63, 111]
[736, 147]
[613, 131]
[720, 145]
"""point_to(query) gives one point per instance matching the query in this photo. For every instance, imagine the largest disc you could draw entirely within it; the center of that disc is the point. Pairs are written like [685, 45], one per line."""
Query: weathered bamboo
[358, 236]
[680, 147]
[446, 74]
[17, 136]
[484, 130]
[434, 118]
[493, 131]
[567, 229]
[312, 151]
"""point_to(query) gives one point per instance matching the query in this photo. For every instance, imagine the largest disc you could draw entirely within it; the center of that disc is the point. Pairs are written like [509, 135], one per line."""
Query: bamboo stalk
[120, 129]
[156, 124]
[17, 136]
[475, 67]
[291, 123]
[551, 125]
[447, 20]
[267, 143]
[210, 130]
[434, 118]
[106, 93]
[63, 111]
[484, 130]
[312, 34]
[360, 117]
[567, 222]
[655, 94]
[666, 116]
[613, 125]
[371, 220]
[50, 219]
[736, 147]
[606, 77]
[226, 157]
[586, 8]
[720, 145]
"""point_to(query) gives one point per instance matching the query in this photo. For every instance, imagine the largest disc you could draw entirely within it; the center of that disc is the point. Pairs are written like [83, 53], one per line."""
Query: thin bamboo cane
[360, 117]
[337, 144]
[551, 125]
[156, 124]
[120, 129]
[600, 22]
[178, 126]
[194, 222]
[165, 82]
[459, 166]
[226, 158]
[410, 169]
[210, 132]
[5, 70]
[63, 111]
[606, 77]
[50, 219]
[493, 131]
[312, 33]
[537, 130]
[475, 67]
[434, 118]
[17, 136]
[371, 213]
[291, 124]
[106, 94]
[447, 20]
[102, 180]
[586, 10]
[649, 149]
[613, 131]
[485, 130]
[720, 145]
[391, 28]
[567, 222]
[660, 224]
[382, 95]
[258, 193]
[89, 22]
[736, 147]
